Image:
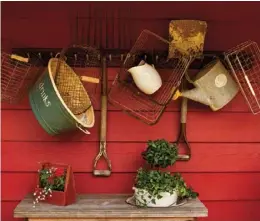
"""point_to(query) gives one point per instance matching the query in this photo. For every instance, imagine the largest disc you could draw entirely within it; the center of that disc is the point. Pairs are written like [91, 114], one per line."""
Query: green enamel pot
[50, 109]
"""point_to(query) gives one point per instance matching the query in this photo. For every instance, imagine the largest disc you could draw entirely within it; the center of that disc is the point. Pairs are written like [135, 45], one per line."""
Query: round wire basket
[69, 79]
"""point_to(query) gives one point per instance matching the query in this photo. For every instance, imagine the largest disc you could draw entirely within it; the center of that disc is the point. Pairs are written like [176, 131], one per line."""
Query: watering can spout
[213, 86]
[195, 94]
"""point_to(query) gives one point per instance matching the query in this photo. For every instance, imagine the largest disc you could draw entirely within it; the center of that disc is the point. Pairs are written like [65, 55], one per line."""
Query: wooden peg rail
[115, 57]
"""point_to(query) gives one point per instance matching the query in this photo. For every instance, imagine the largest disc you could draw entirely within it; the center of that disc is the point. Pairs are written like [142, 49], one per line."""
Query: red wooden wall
[225, 166]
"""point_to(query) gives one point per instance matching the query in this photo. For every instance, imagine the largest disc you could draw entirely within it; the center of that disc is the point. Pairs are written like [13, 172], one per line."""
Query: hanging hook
[75, 56]
[145, 57]
[87, 57]
[110, 57]
[51, 54]
[40, 55]
[122, 57]
[133, 57]
[156, 58]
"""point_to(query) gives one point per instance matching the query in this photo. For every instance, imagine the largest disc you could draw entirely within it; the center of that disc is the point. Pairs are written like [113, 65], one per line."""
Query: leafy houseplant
[55, 184]
[160, 153]
[156, 188]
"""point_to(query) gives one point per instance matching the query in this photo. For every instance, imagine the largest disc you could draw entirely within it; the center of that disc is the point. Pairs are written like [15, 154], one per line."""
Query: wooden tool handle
[89, 79]
[103, 103]
[184, 107]
[19, 58]
[103, 127]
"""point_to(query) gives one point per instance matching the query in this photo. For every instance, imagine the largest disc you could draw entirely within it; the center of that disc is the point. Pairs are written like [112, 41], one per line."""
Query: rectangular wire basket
[153, 49]
[244, 61]
[18, 74]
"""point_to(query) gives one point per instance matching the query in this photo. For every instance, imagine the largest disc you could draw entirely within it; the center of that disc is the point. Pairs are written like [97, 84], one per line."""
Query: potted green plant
[154, 187]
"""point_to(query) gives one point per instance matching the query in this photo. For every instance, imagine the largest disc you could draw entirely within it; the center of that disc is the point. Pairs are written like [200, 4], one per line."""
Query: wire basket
[124, 93]
[18, 74]
[135, 105]
[153, 49]
[244, 61]
[78, 97]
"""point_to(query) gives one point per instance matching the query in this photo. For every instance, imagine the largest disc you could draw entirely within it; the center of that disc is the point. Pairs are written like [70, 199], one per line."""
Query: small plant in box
[156, 188]
[55, 185]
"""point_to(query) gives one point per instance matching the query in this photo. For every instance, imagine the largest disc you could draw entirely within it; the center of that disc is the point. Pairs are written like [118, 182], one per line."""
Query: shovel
[103, 128]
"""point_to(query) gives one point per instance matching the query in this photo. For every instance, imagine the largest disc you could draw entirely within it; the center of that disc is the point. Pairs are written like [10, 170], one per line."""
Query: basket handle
[84, 130]
[89, 79]
[19, 58]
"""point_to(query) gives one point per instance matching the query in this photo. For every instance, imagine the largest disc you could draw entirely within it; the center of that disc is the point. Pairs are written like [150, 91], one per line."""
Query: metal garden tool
[187, 38]
[182, 133]
[103, 128]
[213, 86]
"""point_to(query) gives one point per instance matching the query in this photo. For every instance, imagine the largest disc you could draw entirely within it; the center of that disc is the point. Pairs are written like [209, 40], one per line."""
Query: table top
[106, 206]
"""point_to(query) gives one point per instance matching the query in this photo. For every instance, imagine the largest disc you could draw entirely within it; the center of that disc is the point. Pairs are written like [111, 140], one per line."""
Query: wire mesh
[244, 61]
[153, 49]
[135, 105]
[124, 93]
[69, 83]
[18, 74]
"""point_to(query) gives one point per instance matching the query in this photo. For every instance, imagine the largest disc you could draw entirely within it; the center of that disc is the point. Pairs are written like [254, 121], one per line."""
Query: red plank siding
[232, 211]
[7, 209]
[63, 35]
[238, 104]
[220, 186]
[125, 157]
[186, 10]
[213, 127]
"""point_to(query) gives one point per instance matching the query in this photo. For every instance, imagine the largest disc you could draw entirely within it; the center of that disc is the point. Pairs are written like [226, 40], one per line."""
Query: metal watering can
[214, 86]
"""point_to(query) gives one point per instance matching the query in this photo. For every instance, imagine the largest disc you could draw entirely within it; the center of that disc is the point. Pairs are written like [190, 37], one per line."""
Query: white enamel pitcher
[146, 78]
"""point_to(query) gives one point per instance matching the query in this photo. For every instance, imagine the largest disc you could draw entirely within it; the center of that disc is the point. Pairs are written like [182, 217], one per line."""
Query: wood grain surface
[107, 206]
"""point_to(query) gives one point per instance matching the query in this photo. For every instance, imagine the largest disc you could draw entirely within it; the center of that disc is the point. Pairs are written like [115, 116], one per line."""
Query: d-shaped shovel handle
[103, 153]
[182, 133]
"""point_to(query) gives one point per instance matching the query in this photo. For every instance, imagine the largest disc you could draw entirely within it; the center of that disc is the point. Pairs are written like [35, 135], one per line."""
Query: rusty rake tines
[244, 62]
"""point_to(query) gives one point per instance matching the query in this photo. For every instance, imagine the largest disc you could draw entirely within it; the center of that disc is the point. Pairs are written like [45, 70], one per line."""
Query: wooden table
[108, 207]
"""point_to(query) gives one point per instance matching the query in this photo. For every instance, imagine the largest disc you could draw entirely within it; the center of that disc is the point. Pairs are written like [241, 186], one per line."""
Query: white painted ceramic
[146, 78]
[166, 200]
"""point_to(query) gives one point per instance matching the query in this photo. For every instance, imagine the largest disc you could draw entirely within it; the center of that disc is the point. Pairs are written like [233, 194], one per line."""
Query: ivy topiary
[160, 153]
